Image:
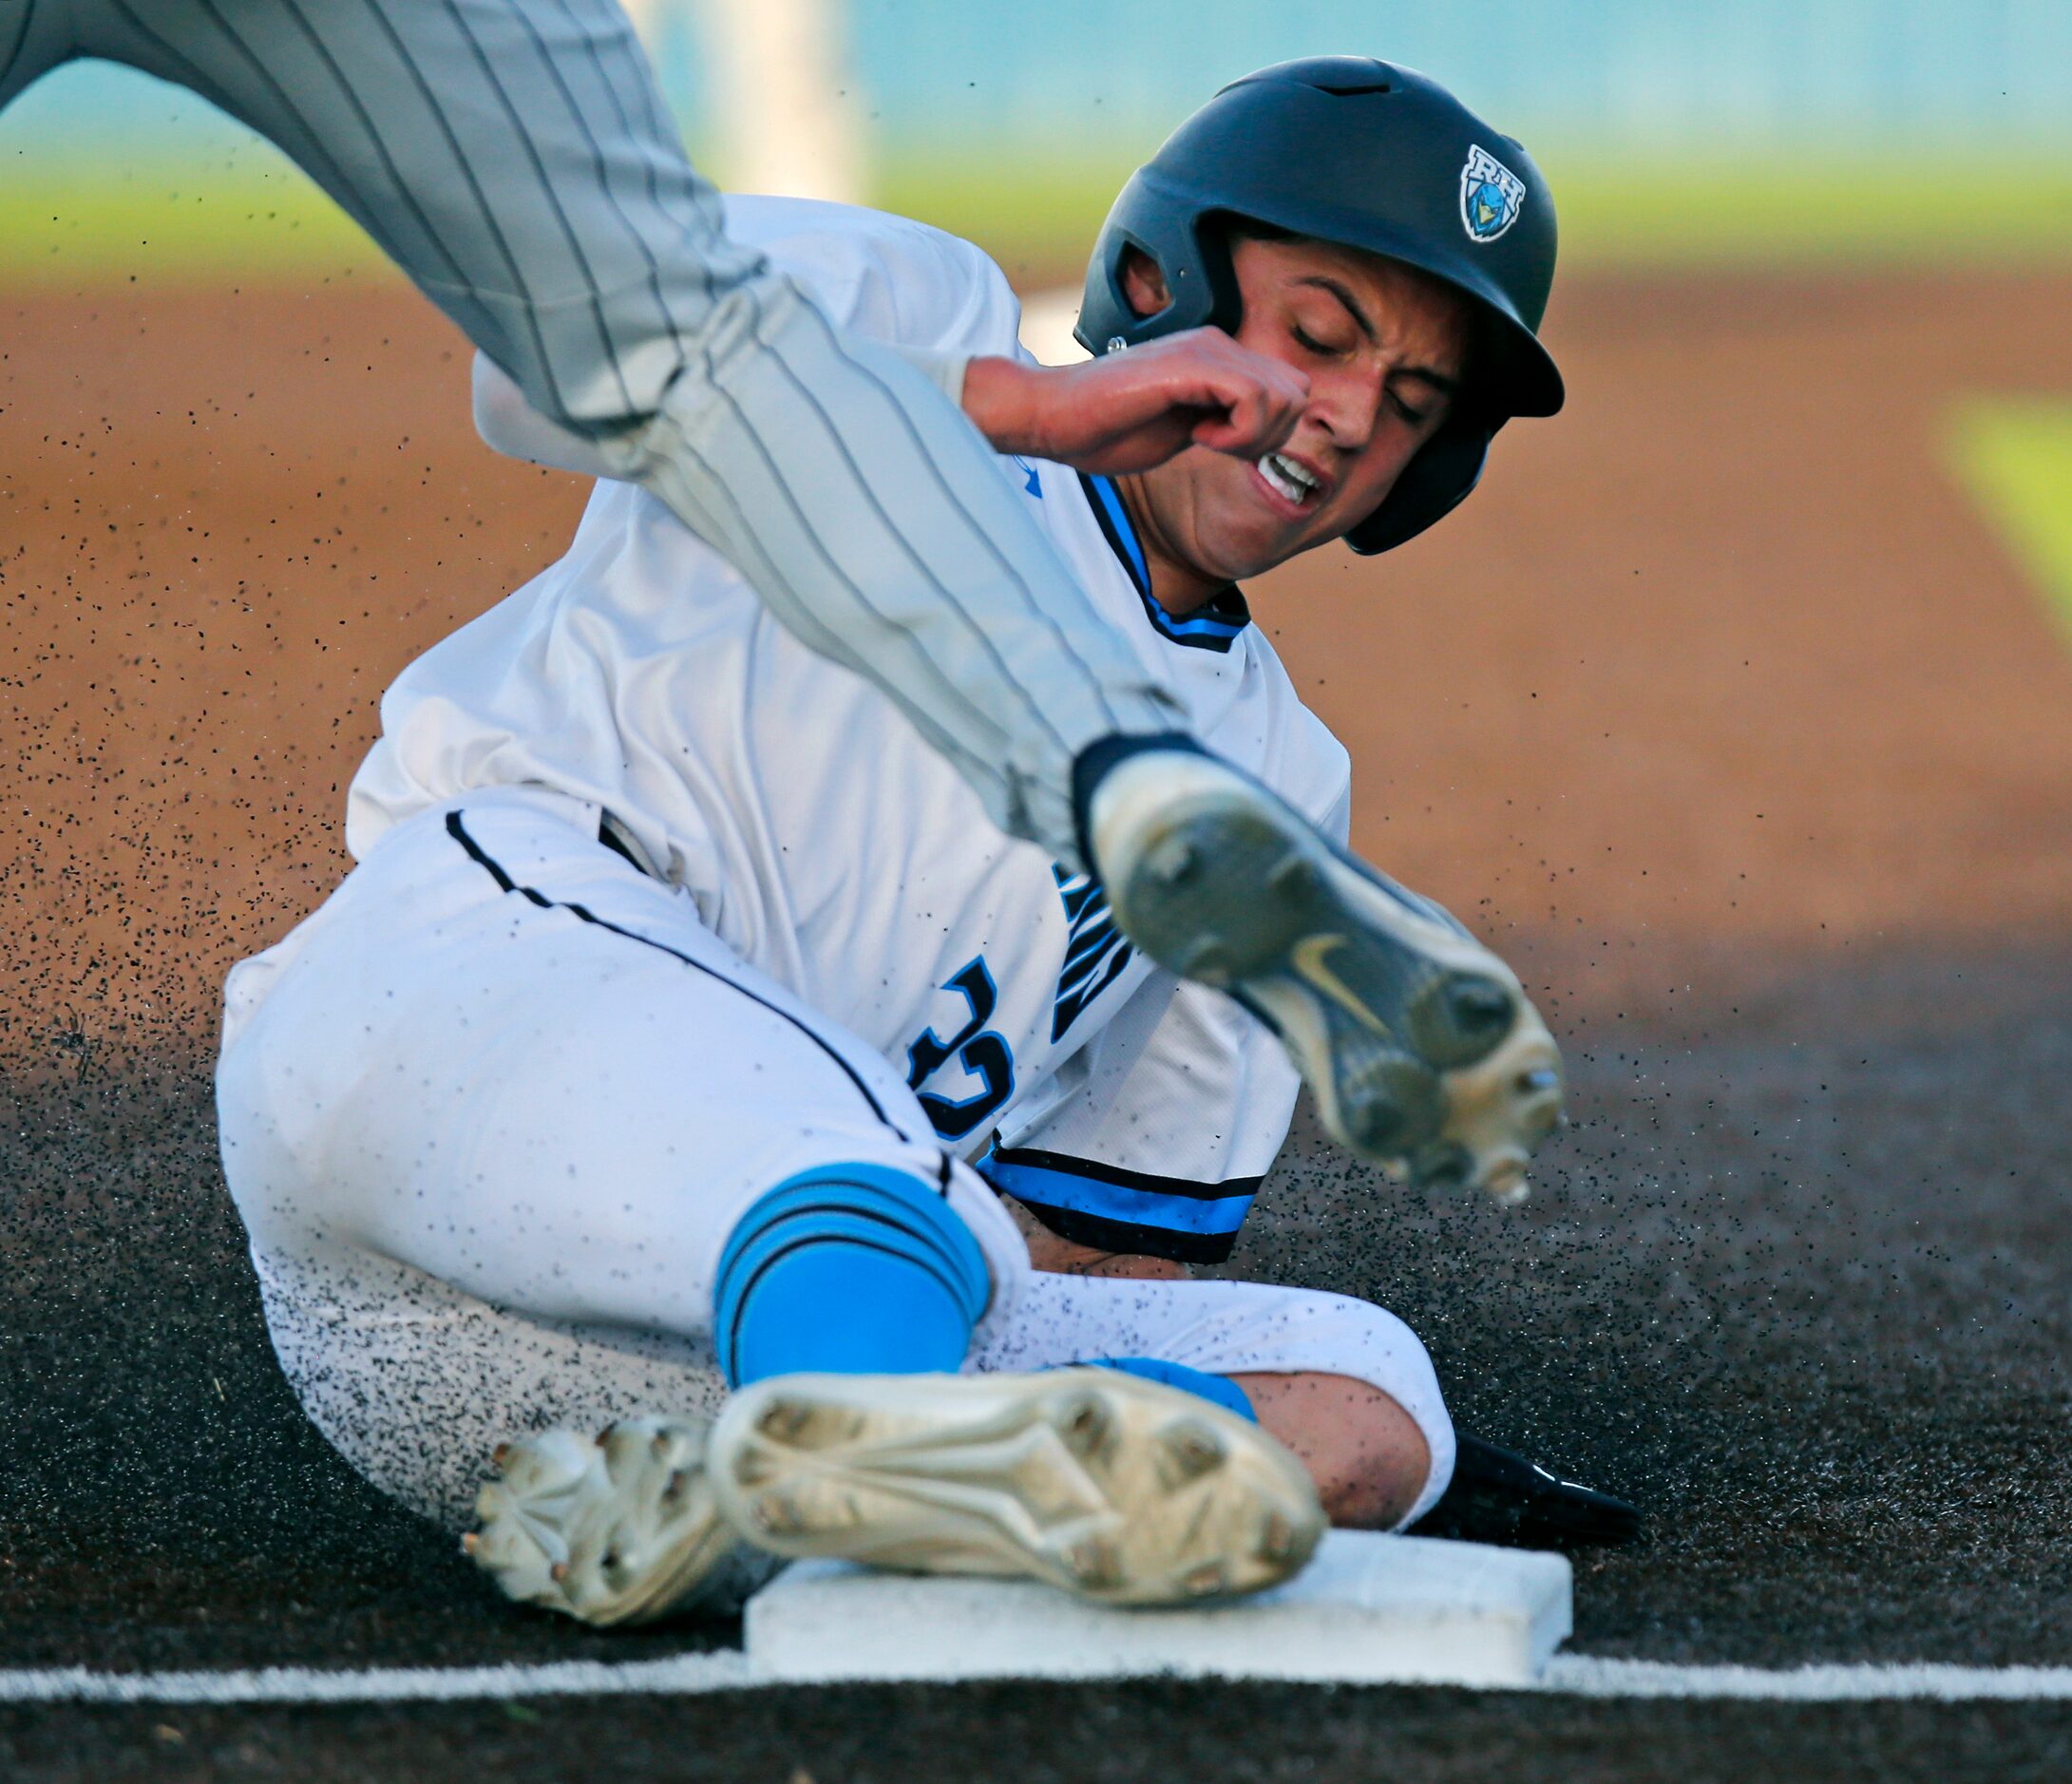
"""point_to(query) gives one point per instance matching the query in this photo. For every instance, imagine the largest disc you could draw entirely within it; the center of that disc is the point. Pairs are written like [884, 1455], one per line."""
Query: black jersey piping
[804, 1243]
[1130, 1238]
[1214, 626]
[1188, 1189]
[458, 831]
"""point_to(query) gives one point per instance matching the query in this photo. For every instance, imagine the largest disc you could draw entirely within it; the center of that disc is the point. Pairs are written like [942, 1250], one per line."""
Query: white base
[1369, 1609]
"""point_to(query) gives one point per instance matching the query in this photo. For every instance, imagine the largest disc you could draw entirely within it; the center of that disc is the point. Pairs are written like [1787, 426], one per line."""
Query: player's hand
[1129, 411]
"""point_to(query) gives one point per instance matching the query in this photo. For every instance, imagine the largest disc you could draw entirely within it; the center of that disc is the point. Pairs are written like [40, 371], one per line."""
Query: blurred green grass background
[2013, 456]
[1855, 135]
[252, 216]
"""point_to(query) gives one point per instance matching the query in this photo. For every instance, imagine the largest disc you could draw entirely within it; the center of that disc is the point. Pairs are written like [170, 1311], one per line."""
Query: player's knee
[1368, 1456]
[1349, 1337]
[1354, 1388]
[852, 1268]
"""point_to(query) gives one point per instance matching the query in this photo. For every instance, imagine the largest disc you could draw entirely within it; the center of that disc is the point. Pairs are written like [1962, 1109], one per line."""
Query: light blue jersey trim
[1204, 627]
[1113, 1202]
[1118, 517]
[1218, 1390]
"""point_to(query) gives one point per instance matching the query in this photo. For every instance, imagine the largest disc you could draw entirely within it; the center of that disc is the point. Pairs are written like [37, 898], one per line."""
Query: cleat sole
[1116, 1488]
[619, 1528]
[1419, 1043]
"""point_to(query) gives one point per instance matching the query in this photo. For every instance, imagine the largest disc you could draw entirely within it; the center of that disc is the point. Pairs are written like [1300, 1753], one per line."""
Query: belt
[614, 836]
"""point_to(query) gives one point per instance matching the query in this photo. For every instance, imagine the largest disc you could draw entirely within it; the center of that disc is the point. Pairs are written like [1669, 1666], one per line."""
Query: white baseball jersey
[828, 845]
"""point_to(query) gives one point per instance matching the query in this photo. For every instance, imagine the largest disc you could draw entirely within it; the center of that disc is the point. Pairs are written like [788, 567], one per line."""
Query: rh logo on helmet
[1491, 195]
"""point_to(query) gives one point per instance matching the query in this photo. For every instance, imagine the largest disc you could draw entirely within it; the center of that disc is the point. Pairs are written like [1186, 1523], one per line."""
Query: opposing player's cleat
[1419, 1043]
[620, 1528]
[1118, 1488]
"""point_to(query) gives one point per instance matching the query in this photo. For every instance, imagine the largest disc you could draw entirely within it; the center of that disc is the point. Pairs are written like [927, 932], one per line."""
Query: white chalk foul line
[688, 1675]
[1589, 1676]
[680, 1675]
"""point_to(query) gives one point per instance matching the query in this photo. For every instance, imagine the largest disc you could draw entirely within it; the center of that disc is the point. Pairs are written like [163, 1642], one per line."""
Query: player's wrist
[1004, 401]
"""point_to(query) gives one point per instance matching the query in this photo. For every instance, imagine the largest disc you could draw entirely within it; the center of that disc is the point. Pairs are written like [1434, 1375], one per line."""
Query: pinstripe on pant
[514, 158]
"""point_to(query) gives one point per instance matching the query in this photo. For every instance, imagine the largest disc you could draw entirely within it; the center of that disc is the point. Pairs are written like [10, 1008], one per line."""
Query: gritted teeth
[1286, 477]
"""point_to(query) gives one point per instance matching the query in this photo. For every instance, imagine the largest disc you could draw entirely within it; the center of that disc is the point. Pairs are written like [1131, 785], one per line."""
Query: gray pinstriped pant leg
[514, 158]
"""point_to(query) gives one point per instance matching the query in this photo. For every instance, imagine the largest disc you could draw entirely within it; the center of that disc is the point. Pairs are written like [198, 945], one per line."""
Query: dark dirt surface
[1051, 1734]
[1717, 708]
[1787, 1288]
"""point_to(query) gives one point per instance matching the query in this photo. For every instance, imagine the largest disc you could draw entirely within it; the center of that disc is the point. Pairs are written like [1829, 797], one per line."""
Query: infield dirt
[1717, 708]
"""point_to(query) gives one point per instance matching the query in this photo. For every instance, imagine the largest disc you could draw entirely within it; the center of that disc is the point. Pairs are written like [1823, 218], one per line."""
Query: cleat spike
[784, 1420]
[1174, 862]
[557, 1572]
[1208, 962]
[1093, 1564]
[1193, 1450]
[1277, 1542]
[1085, 1425]
[471, 1542]
[1204, 1580]
[1479, 1003]
[499, 1456]
[775, 1515]
[1442, 1167]
[1295, 876]
[754, 1466]
[1505, 1181]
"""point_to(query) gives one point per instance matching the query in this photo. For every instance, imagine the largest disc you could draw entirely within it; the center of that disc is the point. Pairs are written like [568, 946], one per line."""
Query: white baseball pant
[492, 1113]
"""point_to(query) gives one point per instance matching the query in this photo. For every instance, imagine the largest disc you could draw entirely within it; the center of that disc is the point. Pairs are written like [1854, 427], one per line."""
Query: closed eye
[1310, 344]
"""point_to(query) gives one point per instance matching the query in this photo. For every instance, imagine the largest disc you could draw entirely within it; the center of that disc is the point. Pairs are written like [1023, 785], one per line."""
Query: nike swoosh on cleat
[1309, 954]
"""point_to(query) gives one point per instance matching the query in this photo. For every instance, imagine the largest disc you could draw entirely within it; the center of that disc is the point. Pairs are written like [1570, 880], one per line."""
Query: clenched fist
[1131, 410]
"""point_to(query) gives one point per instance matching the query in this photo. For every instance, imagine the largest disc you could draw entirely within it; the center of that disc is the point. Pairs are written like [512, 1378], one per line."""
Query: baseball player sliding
[514, 158]
[690, 1059]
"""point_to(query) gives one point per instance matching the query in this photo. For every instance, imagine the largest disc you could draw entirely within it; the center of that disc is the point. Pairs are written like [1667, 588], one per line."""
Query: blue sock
[850, 1269]
[1219, 1389]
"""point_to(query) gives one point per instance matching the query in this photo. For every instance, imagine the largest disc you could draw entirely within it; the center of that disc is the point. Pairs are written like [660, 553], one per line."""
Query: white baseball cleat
[1420, 1046]
[617, 1528]
[1121, 1490]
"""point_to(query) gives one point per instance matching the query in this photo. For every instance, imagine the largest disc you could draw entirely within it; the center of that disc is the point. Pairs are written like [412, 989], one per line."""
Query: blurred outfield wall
[1670, 129]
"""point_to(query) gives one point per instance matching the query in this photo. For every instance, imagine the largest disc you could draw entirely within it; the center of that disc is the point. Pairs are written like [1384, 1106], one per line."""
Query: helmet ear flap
[1433, 484]
[1187, 249]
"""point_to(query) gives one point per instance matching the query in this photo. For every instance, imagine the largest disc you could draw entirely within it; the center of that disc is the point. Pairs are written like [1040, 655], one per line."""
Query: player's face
[1383, 346]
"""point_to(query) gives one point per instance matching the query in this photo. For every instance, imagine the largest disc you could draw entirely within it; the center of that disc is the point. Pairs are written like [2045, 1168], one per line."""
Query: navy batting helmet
[1349, 150]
